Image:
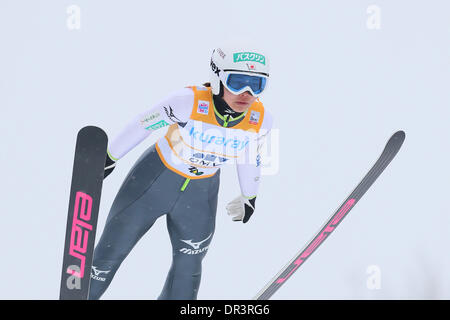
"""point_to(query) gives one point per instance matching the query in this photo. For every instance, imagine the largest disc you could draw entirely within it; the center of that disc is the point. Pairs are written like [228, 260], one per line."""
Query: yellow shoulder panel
[203, 108]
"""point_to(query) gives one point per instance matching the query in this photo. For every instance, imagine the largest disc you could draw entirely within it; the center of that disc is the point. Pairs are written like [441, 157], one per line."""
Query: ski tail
[390, 151]
[84, 203]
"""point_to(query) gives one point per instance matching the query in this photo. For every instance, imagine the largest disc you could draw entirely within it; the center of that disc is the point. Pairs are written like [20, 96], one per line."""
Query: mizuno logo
[170, 115]
[96, 274]
[195, 245]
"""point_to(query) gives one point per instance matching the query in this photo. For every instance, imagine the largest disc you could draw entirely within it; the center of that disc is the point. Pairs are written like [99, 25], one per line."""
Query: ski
[84, 202]
[392, 147]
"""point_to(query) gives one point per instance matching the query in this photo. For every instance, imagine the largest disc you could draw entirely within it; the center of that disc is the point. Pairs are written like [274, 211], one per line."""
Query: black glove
[249, 209]
[241, 208]
[110, 164]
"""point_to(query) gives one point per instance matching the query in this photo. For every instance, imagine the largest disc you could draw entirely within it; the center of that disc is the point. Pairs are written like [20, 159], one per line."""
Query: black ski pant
[150, 191]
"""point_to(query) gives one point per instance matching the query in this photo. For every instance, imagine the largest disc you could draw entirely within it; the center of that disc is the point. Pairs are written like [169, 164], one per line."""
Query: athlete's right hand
[110, 164]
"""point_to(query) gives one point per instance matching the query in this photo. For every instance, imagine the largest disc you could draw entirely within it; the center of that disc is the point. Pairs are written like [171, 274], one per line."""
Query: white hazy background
[345, 75]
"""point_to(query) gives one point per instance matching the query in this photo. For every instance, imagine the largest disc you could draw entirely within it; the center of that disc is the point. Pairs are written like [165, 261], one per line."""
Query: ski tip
[92, 131]
[92, 128]
[399, 135]
[396, 141]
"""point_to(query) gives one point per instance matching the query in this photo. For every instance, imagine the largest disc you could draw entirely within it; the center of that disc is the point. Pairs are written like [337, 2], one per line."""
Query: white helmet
[252, 64]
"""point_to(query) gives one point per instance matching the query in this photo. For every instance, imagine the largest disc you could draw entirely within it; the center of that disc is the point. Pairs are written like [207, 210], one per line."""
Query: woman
[215, 124]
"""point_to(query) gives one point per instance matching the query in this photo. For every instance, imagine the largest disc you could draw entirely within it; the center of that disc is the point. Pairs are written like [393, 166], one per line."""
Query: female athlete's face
[240, 102]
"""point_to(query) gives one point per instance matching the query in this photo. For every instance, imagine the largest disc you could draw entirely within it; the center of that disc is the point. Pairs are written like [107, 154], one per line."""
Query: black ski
[85, 192]
[391, 149]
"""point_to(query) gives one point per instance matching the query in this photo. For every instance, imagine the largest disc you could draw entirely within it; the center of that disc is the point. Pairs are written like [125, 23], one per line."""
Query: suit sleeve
[176, 108]
[249, 172]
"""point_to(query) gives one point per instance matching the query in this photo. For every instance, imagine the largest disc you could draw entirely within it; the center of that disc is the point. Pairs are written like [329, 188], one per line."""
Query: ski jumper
[178, 177]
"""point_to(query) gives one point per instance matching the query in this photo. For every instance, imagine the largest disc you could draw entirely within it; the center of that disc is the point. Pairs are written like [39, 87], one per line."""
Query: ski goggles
[238, 83]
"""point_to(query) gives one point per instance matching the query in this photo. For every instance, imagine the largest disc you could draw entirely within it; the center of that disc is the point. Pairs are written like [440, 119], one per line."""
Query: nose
[247, 93]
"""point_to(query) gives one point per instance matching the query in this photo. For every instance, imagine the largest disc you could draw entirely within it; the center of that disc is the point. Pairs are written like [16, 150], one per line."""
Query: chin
[240, 107]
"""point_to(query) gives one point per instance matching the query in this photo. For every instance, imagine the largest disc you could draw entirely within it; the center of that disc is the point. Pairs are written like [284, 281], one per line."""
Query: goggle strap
[249, 72]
